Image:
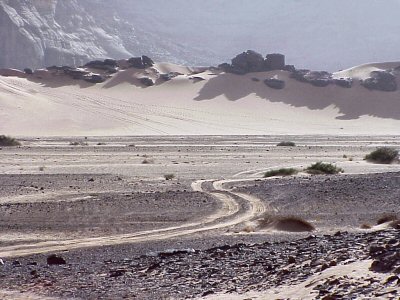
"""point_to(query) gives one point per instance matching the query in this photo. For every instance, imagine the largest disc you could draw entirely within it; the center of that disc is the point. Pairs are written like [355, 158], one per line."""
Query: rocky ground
[236, 268]
[86, 196]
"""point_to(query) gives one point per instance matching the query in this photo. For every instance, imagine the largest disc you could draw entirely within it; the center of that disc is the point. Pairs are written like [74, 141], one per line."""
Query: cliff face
[38, 33]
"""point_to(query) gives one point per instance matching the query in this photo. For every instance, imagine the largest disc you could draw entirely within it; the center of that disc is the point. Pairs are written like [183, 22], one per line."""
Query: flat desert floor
[175, 217]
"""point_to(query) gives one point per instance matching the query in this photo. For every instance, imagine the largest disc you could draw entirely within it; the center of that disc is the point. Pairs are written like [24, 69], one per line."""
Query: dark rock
[206, 293]
[275, 83]
[77, 73]
[146, 81]
[111, 62]
[225, 67]
[117, 273]
[381, 81]
[299, 75]
[28, 71]
[319, 79]
[196, 78]
[55, 259]
[141, 62]
[344, 82]
[289, 68]
[255, 79]
[136, 62]
[275, 61]
[94, 78]
[249, 61]
[291, 260]
[147, 61]
[16, 263]
[169, 76]
[375, 250]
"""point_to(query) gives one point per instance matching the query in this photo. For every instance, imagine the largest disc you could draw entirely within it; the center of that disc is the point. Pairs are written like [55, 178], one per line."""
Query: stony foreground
[237, 268]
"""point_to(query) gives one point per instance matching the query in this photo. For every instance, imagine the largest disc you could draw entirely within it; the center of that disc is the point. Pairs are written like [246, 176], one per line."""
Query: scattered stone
[146, 81]
[117, 272]
[54, 259]
[94, 78]
[344, 82]
[275, 83]
[28, 71]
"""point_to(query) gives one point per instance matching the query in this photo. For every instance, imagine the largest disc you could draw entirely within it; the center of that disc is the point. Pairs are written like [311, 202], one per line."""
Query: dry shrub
[7, 141]
[285, 223]
[386, 218]
[383, 155]
[323, 168]
[281, 172]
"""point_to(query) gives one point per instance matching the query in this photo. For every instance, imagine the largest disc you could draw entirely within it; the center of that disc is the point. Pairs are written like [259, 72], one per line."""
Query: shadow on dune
[352, 103]
[56, 82]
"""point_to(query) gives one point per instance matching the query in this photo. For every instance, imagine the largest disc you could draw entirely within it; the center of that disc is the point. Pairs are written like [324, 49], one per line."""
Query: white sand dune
[211, 103]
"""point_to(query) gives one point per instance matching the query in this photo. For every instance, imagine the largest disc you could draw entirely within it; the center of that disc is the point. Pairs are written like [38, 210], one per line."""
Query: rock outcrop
[251, 61]
[381, 81]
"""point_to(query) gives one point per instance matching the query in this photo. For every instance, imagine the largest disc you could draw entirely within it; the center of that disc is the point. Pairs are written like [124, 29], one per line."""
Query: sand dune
[197, 102]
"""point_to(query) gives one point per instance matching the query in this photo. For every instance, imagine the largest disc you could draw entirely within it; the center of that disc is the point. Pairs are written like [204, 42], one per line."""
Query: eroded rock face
[381, 81]
[38, 33]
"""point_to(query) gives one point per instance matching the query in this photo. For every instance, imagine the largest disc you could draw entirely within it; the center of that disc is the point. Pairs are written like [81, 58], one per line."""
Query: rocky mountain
[37, 33]
[321, 35]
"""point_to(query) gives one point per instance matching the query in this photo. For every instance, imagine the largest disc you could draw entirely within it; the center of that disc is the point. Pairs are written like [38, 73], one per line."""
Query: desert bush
[7, 141]
[323, 168]
[169, 176]
[383, 155]
[286, 144]
[281, 172]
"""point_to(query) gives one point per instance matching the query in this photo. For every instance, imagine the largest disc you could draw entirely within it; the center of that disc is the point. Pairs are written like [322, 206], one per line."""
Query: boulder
[170, 75]
[249, 61]
[111, 62]
[275, 83]
[54, 259]
[344, 82]
[94, 78]
[319, 79]
[77, 73]
[289, 68]
[275, 61]
[381, 81]
[141, 62]
[146, 81]
[299, 75]
[28, 71]
[147, 61]
[136, 62]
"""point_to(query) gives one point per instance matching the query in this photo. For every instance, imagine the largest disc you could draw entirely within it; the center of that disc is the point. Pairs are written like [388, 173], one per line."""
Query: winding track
[230, 214]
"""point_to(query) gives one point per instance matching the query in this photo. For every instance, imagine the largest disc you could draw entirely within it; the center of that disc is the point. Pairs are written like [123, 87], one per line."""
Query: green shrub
[7, 141]
[383, 155]
[323, 168]
[286, 144]
[281, 172]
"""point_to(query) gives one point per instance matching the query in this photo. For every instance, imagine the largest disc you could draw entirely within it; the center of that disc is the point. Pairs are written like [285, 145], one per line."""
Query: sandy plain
[107, 199]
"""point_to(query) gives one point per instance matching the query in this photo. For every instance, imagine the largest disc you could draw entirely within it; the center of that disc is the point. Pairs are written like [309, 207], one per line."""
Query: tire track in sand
[230, 214]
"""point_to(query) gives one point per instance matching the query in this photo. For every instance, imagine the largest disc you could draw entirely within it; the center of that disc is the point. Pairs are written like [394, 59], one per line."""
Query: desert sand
[200, 101]
[158, 192]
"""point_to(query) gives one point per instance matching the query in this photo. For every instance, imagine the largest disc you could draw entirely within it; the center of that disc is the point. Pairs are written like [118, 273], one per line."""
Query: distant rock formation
[251, 61]
[381, 81]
